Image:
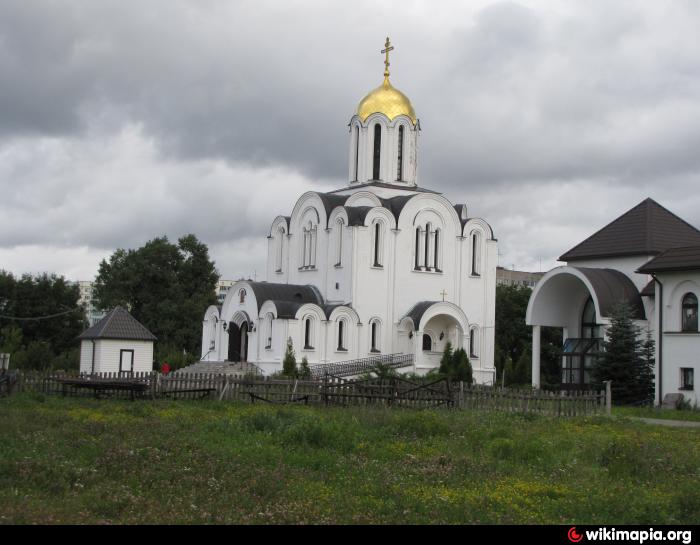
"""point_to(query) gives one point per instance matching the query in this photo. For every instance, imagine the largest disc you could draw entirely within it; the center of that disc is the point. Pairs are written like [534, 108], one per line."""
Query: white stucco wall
[107, 354]
[680, 349]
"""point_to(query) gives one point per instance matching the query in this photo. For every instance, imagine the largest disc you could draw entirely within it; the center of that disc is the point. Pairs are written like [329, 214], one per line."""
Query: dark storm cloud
[122, 120]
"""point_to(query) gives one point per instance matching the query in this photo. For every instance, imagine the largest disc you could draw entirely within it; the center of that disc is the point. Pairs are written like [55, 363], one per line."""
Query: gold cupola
[386, 99]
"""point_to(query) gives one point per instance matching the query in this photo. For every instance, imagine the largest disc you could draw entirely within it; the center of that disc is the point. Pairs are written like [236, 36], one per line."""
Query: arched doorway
[238, 340]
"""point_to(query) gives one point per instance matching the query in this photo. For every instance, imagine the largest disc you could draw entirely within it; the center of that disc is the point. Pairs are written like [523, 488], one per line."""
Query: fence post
[608, 397]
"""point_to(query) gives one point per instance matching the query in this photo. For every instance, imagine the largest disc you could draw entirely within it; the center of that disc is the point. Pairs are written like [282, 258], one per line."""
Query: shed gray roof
[291, 293]
[646, 229]
[612, 287]
[118, 324]
[675, 259]
[417, 311]
[287, 309]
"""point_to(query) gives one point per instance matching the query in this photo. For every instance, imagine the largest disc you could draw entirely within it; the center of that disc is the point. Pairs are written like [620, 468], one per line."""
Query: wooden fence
[329, 390]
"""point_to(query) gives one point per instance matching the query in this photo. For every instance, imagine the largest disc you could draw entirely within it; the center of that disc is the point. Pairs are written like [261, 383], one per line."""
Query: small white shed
[117, 343]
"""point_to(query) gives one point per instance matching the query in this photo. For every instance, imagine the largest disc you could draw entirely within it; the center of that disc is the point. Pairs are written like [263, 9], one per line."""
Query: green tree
[461, 367]
[626, 360]
[165, 286]
[514, 339]
[39, 319]
[446, 359]
[455, 365]
[305, 370]
[289, 363]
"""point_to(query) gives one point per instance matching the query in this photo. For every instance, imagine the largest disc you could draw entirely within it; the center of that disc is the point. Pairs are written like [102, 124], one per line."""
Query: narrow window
[307, 334]
[280, 243]
[427, 343]
[399, 166]
[377, 151]
[357, 151]
[589, 326]
[475, 254]
[377, 242]
[437, 249]
[374, 337]
[339, 243]
[427, 247]
[417, 266]
[241, 295]
[472, 343]
[268, 329]
[304, 251]
[341, 335]
[690, 312]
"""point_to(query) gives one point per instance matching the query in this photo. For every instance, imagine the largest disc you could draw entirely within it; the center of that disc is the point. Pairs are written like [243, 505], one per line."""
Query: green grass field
[650, 412]
[86, 461]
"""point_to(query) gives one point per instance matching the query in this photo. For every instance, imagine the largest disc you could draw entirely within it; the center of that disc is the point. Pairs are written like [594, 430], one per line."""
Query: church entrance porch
[238, 338]
[579, 301]
[430, 325]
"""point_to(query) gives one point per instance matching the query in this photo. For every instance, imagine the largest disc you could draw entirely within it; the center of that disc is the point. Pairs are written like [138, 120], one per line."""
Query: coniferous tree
[627, 360]
[289, 364]
[446, 360]
[304, 371]
[461, 367]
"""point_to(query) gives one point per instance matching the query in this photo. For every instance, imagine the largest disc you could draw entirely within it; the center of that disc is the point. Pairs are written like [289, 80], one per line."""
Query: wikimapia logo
[636, 536]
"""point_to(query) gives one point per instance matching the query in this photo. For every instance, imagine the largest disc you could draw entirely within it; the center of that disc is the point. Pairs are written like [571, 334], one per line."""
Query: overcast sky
[125, 120]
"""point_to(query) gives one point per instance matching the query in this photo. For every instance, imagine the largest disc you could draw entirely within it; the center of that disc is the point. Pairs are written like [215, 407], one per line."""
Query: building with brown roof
[648, 258]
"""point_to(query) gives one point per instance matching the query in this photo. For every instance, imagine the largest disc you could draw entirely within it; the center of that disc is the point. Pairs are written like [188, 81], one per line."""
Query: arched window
[377, 244]
[241, 296]
[339, 242]
[436, 254]
[341, 335]
[268, 330]
[309, 248]
[589, 327]
[399, 166]
[417, 266]
[427, 343]
[473, 342]
[427, 246]
[690, 313]
[476, 253]
[374, 337]
[377, 151]
[308, 334]
[279, 249]
[357, 152]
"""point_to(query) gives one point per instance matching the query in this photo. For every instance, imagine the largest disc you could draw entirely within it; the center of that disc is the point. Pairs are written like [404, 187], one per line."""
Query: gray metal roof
[647, 229]
[417, 311]
[387, 186]
[118, 324]
[290, 293]
[287, 309]
[675, 259]
[649, 290]
[612, 287]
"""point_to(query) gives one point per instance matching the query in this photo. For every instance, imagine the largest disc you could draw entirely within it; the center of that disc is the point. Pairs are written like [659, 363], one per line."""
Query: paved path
[671, 423]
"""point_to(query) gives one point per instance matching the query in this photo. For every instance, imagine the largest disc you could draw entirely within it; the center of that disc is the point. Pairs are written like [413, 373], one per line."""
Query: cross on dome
[387, 47]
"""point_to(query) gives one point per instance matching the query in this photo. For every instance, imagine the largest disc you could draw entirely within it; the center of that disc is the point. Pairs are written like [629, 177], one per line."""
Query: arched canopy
[421, 313]
[563, 291]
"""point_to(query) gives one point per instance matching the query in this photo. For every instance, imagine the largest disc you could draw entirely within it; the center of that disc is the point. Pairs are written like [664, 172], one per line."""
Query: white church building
[379, 267]
[648, 258]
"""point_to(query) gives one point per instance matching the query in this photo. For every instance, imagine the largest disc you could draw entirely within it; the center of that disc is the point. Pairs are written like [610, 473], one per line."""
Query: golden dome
[387, 100]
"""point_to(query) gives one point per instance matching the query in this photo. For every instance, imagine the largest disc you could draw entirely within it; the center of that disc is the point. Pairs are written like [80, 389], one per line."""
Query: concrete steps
[221, 368]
